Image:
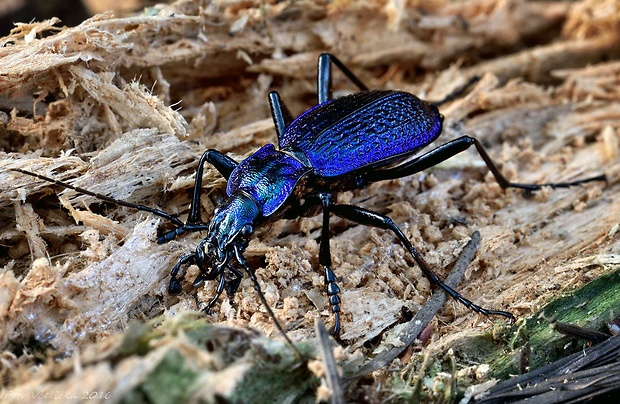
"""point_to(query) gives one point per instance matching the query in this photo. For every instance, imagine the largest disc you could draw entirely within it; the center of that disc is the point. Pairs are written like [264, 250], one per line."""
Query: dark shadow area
[70, 12]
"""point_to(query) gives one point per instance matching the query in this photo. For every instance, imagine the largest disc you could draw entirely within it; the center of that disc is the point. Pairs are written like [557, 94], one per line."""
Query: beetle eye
[247, 230]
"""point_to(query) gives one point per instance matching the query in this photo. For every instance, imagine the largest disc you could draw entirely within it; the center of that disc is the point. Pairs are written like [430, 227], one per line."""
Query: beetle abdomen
[362, 129]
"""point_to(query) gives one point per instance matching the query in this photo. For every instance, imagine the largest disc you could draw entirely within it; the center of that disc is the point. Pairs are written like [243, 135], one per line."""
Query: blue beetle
[338, 145]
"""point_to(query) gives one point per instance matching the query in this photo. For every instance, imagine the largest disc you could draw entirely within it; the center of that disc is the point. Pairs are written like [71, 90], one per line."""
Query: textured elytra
[351, 132]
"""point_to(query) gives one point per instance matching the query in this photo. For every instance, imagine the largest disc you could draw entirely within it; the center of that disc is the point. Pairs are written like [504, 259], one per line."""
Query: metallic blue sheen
[269, 176]
[230, 218]
[362, 129]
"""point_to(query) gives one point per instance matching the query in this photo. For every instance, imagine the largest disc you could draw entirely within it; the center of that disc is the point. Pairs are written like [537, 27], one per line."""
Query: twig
[331, 370]
[424, 316]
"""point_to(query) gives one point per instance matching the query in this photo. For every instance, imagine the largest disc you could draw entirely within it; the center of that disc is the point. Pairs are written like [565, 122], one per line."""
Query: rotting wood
[111, 121]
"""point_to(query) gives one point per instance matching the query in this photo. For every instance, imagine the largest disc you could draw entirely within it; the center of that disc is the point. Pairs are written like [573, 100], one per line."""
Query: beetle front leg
[222, 163]
[370, 218]
[325, 260]
[230, 285]
[216, 297]
[233, 284]
[174, 287]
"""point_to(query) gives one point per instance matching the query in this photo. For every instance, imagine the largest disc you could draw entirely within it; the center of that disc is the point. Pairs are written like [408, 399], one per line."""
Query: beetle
[338, 145]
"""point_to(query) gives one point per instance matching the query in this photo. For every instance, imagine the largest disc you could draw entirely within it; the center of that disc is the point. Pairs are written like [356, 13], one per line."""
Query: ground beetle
[338, 145]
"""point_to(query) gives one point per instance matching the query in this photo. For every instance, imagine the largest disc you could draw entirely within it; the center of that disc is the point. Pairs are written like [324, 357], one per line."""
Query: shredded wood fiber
[125, 107]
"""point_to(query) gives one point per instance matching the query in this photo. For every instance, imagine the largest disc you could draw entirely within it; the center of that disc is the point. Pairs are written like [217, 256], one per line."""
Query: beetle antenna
[176, 221]
[250, 271]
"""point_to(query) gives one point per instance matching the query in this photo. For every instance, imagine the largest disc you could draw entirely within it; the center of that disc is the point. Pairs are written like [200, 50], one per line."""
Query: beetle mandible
[338, 145]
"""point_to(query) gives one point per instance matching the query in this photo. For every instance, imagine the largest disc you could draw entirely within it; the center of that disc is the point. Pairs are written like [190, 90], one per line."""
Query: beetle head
[232, 226]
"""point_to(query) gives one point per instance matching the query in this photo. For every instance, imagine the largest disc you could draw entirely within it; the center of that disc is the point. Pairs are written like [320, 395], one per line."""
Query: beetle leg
[324, 76]
[225, 165]
[174, 287]
[199, 281]
[222, 163]
[280, 113]
[369, 218]
[216, 297]
[325, 260]
[450, 149]
[233, 284]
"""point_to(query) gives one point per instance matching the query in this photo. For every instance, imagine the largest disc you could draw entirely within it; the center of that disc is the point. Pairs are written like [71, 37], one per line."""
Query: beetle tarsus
[333, 292]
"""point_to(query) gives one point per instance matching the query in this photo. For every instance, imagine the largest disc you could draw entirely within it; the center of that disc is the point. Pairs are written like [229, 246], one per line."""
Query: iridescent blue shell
[362, 129]
[269, 176]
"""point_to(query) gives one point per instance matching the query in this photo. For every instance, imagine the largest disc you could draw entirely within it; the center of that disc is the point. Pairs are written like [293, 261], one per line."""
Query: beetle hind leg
[369, 218]
[325, 260]
[452, 148]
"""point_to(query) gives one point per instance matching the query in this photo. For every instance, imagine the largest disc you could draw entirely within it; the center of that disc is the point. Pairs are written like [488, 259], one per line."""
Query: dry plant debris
[125, 106]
